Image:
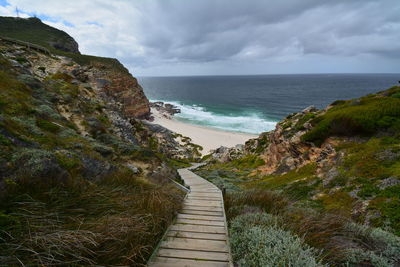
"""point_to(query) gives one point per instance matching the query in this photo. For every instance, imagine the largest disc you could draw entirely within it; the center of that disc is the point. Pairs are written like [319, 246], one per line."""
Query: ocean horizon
[255, 103]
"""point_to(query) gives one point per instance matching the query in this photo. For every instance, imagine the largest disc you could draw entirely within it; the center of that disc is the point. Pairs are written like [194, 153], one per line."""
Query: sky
[229, 37]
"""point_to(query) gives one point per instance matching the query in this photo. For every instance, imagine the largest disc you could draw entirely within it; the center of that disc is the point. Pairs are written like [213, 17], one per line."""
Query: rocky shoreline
[165, 109]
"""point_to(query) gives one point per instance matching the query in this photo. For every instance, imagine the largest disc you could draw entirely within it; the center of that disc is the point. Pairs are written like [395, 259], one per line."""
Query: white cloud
[157, 37]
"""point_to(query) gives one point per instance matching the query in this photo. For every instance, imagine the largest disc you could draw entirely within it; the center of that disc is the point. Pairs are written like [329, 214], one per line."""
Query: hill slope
[33, 30]
[329, 176]
[83, 181]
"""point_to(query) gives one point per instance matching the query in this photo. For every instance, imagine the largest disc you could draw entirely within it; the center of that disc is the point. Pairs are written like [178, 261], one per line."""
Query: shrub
[21, 60]
[257, 241]
[384, 243]
[47, 125]
[268, 201]
[357, 256]
[62, 76]
[368, 116]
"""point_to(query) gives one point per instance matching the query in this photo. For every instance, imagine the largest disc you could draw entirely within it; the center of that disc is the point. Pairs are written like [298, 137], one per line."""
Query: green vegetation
[321, 205]
[267, 229]
[68, 196]
[32, 30]
[257, 241]
[365, 117]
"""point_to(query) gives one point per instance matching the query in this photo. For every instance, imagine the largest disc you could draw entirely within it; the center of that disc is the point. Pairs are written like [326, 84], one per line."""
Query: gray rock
[133, 168]
[309, 109]
[388, 182]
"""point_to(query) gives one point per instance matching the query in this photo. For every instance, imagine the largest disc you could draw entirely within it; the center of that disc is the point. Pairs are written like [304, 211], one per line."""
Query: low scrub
[258, 229]
[364, 116]
[256, 240]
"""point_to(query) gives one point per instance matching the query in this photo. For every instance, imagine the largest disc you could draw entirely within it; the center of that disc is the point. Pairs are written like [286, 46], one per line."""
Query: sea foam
[244, 122]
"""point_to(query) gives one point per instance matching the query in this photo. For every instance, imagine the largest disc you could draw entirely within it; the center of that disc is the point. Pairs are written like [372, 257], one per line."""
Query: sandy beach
[208, 138]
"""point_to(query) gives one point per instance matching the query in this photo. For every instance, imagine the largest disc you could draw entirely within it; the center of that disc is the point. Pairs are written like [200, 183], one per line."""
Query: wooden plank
[204, 203]
[195, 244]
[192, 254]
[200, 217]
[201, 212]
[194, 190]
[195, 235]
[200, 222]
[204, 198]
[199, 228]
[206, 194]
[174, 262]
[202, 208]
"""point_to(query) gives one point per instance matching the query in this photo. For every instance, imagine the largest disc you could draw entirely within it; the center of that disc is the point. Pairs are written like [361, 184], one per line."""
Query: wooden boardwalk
[199, 236]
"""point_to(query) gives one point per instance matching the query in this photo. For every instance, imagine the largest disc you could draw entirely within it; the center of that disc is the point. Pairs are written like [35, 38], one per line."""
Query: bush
[47, 125]
[384, 243]
[364, 117]
[268, 201]
[257, 241]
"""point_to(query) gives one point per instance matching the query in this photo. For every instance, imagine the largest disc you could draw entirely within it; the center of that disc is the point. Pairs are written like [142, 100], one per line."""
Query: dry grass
[268, 201]
[116, 222]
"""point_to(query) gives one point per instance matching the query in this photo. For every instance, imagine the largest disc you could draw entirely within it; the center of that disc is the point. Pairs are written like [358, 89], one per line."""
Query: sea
[255, 103]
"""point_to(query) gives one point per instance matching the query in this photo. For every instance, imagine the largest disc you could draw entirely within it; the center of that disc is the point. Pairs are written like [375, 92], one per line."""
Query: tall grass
[115, 222]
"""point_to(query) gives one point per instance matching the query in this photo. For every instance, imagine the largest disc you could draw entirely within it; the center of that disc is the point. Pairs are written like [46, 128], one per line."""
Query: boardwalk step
[200, 217]
[202, 212]
[200, 222]
[194, 235]
[193, 254]
[193, 244]
[203, 208]
[175, 262]
[199, 228]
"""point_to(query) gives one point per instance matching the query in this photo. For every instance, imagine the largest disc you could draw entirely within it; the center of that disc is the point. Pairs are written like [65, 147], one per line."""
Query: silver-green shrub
[385, 245]
[256, 240]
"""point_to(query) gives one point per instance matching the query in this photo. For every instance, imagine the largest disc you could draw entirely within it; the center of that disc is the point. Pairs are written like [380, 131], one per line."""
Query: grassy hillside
[338, 206]
[34, 31]
[73, 191]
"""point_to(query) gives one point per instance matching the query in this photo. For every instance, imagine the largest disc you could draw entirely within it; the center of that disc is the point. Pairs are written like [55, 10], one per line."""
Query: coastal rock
[165, 108]
[225, 154]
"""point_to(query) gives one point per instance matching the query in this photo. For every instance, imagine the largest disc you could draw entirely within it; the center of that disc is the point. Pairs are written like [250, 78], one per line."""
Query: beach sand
[208, 138]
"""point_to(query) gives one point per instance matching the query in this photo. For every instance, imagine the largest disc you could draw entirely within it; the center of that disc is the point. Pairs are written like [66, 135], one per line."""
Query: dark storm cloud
[217, 30]
[216, 35]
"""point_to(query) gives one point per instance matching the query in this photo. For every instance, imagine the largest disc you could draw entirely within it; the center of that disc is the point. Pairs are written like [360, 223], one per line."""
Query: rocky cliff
[79, 170]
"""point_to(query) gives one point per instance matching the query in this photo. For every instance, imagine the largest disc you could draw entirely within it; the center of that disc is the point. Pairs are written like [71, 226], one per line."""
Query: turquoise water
[253, 104]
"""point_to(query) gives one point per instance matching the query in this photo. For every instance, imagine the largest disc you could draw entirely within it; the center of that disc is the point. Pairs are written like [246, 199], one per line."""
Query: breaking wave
[244, 122]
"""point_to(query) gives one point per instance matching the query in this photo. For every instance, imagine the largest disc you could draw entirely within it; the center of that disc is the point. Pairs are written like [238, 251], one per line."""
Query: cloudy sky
[228, 37]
